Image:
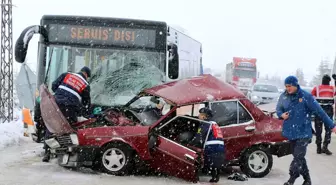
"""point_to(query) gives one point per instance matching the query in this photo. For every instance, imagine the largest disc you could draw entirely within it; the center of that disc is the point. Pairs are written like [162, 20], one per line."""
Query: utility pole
[6, 63]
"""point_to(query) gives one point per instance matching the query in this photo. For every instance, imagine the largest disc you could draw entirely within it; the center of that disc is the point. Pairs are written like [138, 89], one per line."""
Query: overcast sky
[281, 34]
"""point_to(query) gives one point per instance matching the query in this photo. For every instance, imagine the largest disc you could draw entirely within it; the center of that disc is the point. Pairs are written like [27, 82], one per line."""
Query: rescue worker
[72, 95]
[324, 94]
[295, 107]
[214, 149]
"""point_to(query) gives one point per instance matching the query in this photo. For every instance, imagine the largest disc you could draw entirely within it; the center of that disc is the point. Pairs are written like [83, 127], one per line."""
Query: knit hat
[326, 80]
[291, 80]
[86, 70]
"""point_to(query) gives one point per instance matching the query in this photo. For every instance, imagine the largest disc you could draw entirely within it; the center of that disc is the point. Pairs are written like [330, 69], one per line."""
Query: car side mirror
[152, 142]
[153, 138]
[173, 61]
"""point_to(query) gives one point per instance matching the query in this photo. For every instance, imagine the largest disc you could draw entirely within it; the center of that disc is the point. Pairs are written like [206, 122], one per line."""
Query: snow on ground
[22, 165]
[11, 133]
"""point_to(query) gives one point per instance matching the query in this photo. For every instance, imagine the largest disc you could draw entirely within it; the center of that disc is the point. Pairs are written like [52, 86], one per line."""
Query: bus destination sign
[101, 35]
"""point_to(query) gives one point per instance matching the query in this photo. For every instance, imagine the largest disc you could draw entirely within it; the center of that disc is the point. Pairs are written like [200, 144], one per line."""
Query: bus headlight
[74, 139]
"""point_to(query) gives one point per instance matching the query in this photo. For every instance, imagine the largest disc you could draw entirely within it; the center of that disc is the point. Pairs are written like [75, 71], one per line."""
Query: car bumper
[76, 156]
[281, 149]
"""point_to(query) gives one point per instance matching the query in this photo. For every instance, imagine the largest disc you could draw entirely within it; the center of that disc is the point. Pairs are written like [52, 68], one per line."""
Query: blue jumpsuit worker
[324, 95]
[295, 107]
[210, 136]
[72, 95]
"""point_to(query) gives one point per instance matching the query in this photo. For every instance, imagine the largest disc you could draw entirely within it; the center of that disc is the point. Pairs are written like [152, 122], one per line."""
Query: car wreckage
[121, 138]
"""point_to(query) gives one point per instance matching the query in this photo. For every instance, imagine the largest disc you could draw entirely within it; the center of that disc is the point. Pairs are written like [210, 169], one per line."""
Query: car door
[172, 158]
[237, 125]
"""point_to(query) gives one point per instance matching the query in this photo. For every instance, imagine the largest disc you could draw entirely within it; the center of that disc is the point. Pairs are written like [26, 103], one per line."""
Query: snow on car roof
[198, 89]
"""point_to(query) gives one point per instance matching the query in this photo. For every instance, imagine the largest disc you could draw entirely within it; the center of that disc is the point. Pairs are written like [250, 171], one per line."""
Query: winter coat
[73, 90]
[300, 106]
[214, 142]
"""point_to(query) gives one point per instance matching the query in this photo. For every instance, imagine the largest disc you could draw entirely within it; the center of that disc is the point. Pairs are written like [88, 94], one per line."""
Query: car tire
[122, 157]
[256, 162]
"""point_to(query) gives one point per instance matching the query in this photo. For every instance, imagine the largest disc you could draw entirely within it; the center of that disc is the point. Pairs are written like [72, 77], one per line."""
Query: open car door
[172, 158]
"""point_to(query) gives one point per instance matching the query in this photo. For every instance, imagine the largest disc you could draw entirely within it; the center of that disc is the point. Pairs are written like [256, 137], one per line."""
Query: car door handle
[189, 157]
[249, 128]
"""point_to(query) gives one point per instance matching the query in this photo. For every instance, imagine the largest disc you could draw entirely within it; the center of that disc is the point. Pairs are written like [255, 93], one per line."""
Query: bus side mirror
[21, 45]
[173, 61]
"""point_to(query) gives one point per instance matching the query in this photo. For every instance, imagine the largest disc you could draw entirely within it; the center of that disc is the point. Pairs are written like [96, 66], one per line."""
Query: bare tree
[300, 76]
[323, 69]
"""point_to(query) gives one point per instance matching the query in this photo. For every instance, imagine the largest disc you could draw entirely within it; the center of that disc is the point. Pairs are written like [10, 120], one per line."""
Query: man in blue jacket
[295, 107]
[210, 136]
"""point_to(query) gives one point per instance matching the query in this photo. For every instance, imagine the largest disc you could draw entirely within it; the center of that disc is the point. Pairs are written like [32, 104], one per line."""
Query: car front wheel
[256, 162]
[116, 159]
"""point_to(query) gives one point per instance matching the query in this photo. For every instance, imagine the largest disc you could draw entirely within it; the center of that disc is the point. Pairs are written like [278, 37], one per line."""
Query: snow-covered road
[22, 165]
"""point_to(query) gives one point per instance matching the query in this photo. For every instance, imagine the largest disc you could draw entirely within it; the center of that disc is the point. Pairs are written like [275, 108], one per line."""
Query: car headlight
[255, 97]
[74, 139]
[52, 143]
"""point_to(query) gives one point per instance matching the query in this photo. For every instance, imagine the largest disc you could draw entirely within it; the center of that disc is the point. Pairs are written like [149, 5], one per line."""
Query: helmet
[206, 111]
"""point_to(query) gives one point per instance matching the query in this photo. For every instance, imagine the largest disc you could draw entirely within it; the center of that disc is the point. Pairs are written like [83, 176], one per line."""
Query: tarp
[25, 86]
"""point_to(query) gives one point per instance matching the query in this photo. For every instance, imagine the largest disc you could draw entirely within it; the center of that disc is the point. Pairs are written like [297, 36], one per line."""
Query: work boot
[290, 181]
[307, 180]
[46, 156]
[326, 150]
[215, 175]
[319, 149]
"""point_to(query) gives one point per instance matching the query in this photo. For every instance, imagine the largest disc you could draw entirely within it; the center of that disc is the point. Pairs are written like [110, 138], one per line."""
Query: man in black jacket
[72, 95]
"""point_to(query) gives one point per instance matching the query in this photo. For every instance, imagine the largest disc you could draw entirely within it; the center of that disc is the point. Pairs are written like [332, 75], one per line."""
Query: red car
[135, 133]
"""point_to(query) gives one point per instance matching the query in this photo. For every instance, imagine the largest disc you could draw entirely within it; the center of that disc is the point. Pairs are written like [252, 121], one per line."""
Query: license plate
[65, 159]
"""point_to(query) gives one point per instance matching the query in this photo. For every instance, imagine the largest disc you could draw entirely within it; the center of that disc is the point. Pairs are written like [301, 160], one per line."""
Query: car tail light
[235, 78]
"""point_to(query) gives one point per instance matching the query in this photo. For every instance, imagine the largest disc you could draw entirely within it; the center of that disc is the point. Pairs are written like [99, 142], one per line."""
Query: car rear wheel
[256, 162]
[116, 159]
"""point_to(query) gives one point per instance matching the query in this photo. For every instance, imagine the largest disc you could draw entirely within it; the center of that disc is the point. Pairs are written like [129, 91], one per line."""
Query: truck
[241, 73]
[125, 55]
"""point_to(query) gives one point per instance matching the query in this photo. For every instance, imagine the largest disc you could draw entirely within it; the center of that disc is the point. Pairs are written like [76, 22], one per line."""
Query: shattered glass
[117, 87]
[117, 75]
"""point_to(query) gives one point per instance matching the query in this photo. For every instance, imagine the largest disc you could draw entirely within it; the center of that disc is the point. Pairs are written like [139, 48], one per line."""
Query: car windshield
[143, 102]
[117, 75]
[265, 88]
[146, 110]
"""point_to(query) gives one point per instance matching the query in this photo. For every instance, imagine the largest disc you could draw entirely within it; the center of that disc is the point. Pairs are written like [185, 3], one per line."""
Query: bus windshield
[117, 74]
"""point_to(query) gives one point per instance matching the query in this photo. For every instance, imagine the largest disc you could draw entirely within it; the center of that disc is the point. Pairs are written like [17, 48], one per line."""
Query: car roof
[203, 88]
